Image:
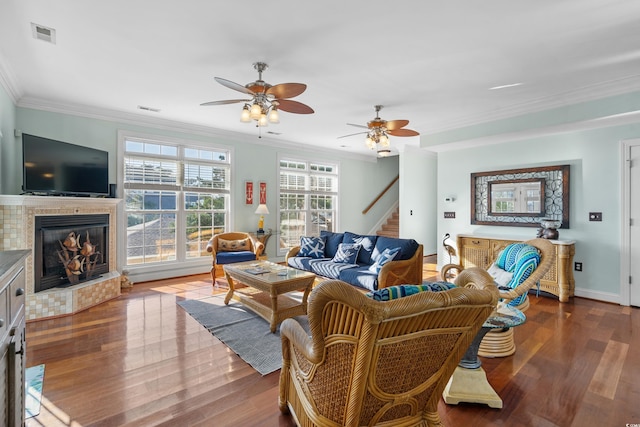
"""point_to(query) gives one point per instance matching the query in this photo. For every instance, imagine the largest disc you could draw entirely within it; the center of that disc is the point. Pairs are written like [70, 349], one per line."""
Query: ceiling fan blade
[227, 101]
[403, 132]
[286, 90]
[358, 126]
[352, 134]
[233, 85]
[293, 107]
[396, 124]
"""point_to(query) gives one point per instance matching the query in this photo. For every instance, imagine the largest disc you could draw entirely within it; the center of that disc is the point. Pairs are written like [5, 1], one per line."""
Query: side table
[262, 238]
[469, 381]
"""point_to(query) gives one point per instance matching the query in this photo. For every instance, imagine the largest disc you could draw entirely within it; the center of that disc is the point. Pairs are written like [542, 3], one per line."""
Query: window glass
[176, 199]
[308, 197]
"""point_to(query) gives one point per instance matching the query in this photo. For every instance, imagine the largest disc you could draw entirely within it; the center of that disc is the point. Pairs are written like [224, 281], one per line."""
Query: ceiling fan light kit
[379, 130]
[266, 100]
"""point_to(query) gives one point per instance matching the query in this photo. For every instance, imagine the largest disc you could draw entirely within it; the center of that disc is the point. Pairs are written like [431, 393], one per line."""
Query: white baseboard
[597, 295]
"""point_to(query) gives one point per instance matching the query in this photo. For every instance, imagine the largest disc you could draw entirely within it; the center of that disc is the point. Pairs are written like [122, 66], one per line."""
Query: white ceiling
[430, 62]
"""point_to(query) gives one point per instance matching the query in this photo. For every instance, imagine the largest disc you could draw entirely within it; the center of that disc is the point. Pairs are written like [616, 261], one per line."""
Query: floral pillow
[311, 247]
[347, 253]
[387, 255]
[234, 245]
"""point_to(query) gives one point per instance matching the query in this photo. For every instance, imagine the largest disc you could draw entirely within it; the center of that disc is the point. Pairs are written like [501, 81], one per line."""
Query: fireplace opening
[69, 249]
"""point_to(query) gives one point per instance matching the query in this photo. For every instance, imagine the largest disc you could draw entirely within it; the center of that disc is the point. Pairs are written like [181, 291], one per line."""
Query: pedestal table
[469, 381]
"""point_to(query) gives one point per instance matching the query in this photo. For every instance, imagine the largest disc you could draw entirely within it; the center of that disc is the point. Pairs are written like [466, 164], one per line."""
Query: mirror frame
[556, 196]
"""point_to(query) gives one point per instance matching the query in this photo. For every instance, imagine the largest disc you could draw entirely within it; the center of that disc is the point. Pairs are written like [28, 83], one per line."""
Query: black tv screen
[59, 168]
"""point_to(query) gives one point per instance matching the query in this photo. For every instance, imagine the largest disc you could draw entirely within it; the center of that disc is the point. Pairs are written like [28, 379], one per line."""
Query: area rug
[243, 331]
[34, 379]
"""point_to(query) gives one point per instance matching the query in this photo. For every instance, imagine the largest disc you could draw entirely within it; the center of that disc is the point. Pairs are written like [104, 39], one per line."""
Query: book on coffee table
[257, 270]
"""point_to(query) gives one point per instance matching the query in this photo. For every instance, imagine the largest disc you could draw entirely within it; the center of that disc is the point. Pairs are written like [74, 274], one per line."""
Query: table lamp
[262, 211]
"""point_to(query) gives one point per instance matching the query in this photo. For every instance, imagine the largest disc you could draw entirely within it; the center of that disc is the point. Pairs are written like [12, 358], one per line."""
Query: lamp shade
[274, 117]
[245, 116]
[255, 111]
[262, 210]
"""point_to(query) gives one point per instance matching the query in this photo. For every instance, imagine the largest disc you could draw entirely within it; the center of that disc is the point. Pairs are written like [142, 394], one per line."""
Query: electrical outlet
[577, 266]
[595, 216]
[449, 215]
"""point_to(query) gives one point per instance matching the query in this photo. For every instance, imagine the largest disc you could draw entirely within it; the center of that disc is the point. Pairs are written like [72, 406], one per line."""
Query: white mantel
[17, 215]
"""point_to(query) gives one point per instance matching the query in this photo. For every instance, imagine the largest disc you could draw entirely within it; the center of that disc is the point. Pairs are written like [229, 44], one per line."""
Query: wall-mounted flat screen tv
[53, 167]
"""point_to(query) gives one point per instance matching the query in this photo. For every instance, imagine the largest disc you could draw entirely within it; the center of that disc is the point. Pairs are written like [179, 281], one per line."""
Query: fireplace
[69, 249]
[19, 215]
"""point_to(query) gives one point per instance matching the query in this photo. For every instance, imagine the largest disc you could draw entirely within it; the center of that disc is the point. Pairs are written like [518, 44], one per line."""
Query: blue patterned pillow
[387, 255]
[399, 291]
[311, 247]
[508, 256]
[347, 253]
[522, 260]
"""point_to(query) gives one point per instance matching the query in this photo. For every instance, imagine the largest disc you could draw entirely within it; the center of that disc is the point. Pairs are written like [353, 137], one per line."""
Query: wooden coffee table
[266, 291]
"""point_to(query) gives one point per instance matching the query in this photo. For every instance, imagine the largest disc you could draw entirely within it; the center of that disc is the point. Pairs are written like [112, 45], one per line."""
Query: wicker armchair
[378, 363]
[501, 343]
[547, 254]
[220, 258]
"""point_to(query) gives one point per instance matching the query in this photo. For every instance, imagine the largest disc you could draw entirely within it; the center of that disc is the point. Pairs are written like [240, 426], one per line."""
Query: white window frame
[181, 265]
[307, 192]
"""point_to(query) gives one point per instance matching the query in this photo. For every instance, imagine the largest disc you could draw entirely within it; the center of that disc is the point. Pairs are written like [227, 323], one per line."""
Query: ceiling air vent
[153, 110]
[43, 33]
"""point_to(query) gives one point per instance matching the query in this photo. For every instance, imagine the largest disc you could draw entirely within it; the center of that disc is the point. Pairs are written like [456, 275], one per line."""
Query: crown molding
[584, 94]
[175, 126]
[413, 150]
[9, 82]
[628, 118]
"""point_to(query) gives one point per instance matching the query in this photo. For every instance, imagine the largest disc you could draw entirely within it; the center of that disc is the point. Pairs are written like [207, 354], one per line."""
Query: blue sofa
[380, 261]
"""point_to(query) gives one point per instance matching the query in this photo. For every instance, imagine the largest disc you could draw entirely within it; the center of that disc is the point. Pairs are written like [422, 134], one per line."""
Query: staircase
[392, 227]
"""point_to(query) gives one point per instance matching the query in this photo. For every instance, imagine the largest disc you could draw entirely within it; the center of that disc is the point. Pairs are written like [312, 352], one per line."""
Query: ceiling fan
[266, 100]
[378, 131]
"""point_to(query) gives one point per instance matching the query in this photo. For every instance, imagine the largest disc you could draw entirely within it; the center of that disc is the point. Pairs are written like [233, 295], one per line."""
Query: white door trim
[625, 197]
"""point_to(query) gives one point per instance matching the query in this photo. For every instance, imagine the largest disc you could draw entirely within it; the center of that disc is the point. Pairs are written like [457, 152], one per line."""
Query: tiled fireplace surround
[17, 231]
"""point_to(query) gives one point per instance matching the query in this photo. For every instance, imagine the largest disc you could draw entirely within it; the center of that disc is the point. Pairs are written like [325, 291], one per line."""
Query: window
[308, 200]
[176, 198]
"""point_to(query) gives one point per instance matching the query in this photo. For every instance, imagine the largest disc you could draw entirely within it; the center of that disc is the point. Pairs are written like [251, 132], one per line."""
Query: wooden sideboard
[481, 251]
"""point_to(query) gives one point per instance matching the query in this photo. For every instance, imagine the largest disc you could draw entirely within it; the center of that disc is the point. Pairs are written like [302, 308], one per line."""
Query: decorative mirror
[520, 197]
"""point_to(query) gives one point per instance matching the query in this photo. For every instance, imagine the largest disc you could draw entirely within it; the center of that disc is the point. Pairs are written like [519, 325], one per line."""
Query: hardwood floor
[140, 360]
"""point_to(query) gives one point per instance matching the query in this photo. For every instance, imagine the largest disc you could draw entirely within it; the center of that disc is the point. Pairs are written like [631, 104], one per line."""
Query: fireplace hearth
[69, 249]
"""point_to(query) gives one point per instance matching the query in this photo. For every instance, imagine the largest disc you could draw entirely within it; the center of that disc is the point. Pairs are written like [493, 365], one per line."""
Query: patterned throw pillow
[311, 247]
[399, 291]
[234, 245]
[522, 260]
[387, 255]
[347, 253]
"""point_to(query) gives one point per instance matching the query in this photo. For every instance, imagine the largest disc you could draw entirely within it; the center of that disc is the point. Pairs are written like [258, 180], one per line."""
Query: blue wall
[361, 179]
[7, 147]
[586, 137]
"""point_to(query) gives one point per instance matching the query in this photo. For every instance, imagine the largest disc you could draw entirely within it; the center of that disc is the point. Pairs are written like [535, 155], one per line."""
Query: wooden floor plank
[140, 360]
[605, 379]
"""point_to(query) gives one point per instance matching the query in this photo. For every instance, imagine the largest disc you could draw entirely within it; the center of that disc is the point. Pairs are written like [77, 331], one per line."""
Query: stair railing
[382, 193]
